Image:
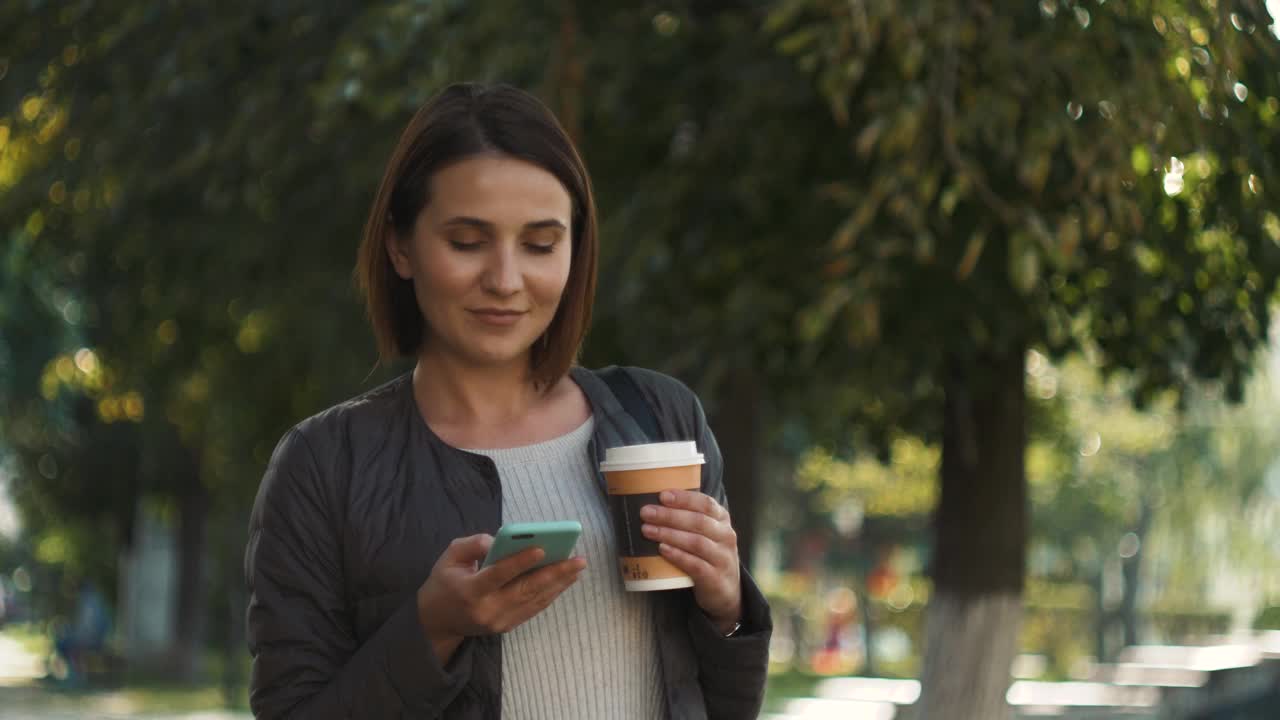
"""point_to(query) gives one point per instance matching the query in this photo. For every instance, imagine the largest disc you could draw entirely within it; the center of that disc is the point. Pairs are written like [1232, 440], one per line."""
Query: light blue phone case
[556, 539]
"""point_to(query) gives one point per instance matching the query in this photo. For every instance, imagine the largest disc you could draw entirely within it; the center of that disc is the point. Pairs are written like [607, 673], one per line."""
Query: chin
[482, 349]
[496, 356]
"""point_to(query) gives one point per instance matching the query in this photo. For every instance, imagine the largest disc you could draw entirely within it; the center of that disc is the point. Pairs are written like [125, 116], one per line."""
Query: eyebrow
[488, 226]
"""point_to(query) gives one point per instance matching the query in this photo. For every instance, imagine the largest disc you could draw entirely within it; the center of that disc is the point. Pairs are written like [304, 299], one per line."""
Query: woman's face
[489, 258]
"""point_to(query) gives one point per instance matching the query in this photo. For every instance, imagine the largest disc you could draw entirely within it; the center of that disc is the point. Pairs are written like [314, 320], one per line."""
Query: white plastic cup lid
[651, 455]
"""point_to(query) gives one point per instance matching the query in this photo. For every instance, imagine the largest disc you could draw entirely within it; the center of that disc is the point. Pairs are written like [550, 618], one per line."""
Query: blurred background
[978, 296]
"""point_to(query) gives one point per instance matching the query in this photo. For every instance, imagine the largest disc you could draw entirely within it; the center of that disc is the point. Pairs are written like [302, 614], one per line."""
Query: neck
[453, 393]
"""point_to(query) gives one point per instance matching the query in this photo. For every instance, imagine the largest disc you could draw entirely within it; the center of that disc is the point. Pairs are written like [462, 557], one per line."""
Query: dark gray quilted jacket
[357, 504]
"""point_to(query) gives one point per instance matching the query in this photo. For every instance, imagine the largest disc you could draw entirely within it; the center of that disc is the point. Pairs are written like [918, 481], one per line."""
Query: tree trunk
[1101, 618]
[234, 647]
[1132, 568]
[980, 543]
[737, 430]
[868, 627]
[193, 511]
[565, 75]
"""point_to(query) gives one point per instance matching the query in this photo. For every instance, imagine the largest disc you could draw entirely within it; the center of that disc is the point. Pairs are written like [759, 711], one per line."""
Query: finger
[695, 501]
[525, 587]
[702, 572]
[687, 520]
[529, 595]
[468, 550]
[502, 572]
[717, 554]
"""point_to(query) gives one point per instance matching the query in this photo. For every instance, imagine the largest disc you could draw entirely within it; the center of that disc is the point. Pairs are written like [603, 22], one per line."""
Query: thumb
[468, 550]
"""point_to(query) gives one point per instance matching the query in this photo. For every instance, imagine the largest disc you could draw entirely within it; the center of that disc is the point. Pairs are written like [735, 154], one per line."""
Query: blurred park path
[23, 695]
[17, 666]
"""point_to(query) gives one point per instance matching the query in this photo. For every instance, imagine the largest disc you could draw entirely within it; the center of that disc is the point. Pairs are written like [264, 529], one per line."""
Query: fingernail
[648, 530]
[648, 512]
[667, 496]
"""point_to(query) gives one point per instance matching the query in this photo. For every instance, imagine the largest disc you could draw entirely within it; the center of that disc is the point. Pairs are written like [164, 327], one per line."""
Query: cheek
[552, 281]
[443, 276]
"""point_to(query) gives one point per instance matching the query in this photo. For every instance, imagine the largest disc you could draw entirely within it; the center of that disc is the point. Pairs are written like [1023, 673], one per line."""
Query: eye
[464, 241]
[543, 241]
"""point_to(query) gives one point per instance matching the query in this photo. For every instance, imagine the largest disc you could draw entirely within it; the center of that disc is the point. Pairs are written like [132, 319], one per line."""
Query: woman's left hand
[694, 533]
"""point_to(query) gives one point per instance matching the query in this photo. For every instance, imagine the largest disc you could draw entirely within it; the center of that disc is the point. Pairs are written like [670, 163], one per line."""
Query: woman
[479, 261]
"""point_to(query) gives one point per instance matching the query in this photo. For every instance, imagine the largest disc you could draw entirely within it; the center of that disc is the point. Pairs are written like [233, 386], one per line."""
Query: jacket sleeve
[732, 671]
[306, 660]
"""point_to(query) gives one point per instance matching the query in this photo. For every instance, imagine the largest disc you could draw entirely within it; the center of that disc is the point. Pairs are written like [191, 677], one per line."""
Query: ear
[398, 253]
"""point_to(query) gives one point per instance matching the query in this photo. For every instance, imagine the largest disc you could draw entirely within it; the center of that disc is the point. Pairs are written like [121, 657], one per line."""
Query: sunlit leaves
[906, 486]
[83, 374]
[253, 331]
[1140, 158]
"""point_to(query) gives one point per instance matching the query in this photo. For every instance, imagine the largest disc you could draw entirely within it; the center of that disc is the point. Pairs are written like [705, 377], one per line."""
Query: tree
[1152, 494]
[162, 256]
[873, 507]
[694, 218]
[1103, 468]
[1055, 175]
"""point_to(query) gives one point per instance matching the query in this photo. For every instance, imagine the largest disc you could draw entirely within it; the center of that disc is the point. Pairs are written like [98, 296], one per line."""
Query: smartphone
[556, 539]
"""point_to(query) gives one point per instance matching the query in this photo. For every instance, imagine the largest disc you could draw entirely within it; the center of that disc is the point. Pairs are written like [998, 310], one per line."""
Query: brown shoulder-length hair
[462, 121]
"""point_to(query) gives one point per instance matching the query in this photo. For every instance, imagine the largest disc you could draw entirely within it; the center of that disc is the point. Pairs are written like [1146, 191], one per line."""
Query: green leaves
[906, 486]
[1024, 262]
[1036, 205]
[1140, 158]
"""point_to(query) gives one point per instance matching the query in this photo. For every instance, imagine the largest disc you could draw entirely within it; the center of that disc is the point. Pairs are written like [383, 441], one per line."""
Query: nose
[502, 274]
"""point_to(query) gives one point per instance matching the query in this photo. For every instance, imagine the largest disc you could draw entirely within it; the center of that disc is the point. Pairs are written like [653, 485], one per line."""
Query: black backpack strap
[624, 388]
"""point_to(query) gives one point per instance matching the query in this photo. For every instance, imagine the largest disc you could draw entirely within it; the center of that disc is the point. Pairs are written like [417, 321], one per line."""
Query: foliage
[1189, 468]
[1092, 461]
[1099, 461]
[787, 685]
[1063, 174]
[1268, 619]
[907, 486]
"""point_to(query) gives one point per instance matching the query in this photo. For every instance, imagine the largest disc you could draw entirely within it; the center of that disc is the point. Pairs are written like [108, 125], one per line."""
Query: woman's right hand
[458, 601]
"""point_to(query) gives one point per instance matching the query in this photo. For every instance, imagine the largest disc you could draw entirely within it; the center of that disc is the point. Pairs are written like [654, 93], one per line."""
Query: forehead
[498, 187]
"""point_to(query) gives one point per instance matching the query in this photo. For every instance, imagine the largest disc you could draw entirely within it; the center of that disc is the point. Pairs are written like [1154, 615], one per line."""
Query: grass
[149, 692]
[156, 698]
[141, 695]
[30, 636]
[136, 691]
[788, 684]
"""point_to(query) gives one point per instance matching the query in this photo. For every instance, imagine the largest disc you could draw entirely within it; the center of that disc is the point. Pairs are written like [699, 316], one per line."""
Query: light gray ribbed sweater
[592, 654]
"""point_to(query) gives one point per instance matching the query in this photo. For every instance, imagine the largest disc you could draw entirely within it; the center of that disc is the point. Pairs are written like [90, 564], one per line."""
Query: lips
[497, 317]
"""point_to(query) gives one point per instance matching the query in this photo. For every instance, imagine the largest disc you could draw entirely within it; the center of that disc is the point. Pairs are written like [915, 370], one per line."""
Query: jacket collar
[614, 425]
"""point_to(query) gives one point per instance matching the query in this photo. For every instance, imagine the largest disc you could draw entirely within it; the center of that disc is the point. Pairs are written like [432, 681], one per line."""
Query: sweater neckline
[602, 404]
[556, 448]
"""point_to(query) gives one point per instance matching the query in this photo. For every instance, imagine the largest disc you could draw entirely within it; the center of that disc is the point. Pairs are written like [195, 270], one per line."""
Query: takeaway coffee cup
[635, 475]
